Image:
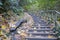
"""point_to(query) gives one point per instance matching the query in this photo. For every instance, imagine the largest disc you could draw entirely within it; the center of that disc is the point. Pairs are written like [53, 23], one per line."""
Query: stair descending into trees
[40, 30]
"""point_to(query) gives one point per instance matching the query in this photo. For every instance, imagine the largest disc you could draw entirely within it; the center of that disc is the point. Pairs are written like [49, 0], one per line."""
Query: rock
[29, 19]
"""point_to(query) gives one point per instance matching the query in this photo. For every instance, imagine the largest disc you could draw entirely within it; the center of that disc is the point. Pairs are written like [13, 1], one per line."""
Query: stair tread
[39, 37]
[39, 33]
[40, 26]
[39, 29]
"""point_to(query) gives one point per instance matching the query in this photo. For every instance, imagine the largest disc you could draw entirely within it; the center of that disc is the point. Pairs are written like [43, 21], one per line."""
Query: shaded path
[40, 30]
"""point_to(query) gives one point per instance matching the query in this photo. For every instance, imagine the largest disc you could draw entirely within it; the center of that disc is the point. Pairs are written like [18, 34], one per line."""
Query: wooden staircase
[40, 31]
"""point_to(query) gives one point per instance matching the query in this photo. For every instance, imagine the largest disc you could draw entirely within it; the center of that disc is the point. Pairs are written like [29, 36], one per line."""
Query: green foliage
[38, 4]
[58, 30]
[58, 5]
[4, 5]
[19, 6]
[58, 19]
[16, 5]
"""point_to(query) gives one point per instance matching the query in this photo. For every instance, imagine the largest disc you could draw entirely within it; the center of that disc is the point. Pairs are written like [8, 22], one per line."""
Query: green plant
[58, 19]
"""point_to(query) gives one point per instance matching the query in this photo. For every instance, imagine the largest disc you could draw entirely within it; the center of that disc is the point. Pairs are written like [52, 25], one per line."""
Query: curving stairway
[40, 30]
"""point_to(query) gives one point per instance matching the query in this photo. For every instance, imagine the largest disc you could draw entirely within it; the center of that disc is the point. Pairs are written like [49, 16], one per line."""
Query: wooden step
[39, 29]
[40, 38]
[42, 26]
[40, 33]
